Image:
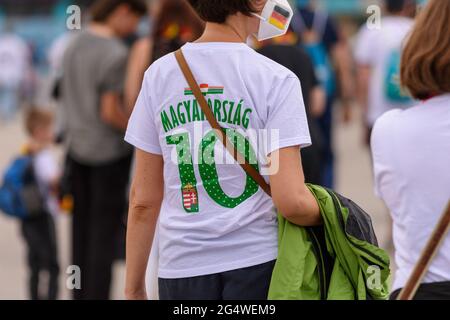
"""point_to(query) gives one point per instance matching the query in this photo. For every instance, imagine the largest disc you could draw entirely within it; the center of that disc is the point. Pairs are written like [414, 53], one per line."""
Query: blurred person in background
[411, 152]
[94, 68]
[15, 63]
[377, 55]
[39, 230]
[174, 24]
[285, 51]
[328, 48]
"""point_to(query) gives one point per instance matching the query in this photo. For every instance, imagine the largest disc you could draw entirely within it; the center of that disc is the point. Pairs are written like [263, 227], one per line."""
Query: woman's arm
[342, 57]
[138, 62]
[145, 202]
[112, 112]
[290, 194]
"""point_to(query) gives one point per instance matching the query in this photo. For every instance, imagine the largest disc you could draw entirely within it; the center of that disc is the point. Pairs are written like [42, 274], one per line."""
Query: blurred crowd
[84, 96]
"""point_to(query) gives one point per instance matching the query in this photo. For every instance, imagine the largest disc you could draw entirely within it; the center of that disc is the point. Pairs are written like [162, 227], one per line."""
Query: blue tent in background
[344, 6]
[59, 11]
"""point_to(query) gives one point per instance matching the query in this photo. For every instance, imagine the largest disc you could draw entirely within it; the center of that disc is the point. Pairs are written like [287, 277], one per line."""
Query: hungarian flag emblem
[190, 198]
[279, 17]
[206, 90]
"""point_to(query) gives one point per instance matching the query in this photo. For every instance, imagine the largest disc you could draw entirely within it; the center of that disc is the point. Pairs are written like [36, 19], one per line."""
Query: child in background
[39, 231]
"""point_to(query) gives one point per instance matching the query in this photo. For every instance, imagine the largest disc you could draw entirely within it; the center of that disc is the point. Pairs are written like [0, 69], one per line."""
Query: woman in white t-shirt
[411, 152]
[377, 52]
[217, 228]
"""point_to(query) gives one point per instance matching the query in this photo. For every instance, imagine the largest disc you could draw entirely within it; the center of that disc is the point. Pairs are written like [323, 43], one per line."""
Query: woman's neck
[226, 32]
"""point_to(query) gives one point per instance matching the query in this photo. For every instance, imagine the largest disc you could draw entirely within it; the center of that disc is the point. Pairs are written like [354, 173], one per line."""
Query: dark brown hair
[425, 68]
[36, 117]
[102, 9]
[218, 10]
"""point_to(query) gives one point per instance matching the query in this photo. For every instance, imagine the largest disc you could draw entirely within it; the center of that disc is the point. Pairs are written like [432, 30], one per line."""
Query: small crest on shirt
[206, 90]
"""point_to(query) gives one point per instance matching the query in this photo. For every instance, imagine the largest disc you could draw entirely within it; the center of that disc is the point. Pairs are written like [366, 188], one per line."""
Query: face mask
[275, 19]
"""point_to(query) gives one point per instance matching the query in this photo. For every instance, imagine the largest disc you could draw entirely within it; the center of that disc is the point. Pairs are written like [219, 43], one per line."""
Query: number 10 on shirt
[208, 170]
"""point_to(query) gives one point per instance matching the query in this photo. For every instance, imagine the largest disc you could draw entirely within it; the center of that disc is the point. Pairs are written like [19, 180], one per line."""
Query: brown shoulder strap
[220, 133]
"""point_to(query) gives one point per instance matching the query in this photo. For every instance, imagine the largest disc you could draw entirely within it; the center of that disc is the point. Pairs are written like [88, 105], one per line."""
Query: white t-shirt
[47, 171]
[411, 155]
[56, 52]
[14, 60]
[374, 48]
[215, 222]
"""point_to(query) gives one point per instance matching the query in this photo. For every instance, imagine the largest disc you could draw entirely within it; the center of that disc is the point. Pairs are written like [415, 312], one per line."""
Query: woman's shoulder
[162, 67]
[404, 118]
[273, 76]
[384, 126]
[388, 118]
[400, 123]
